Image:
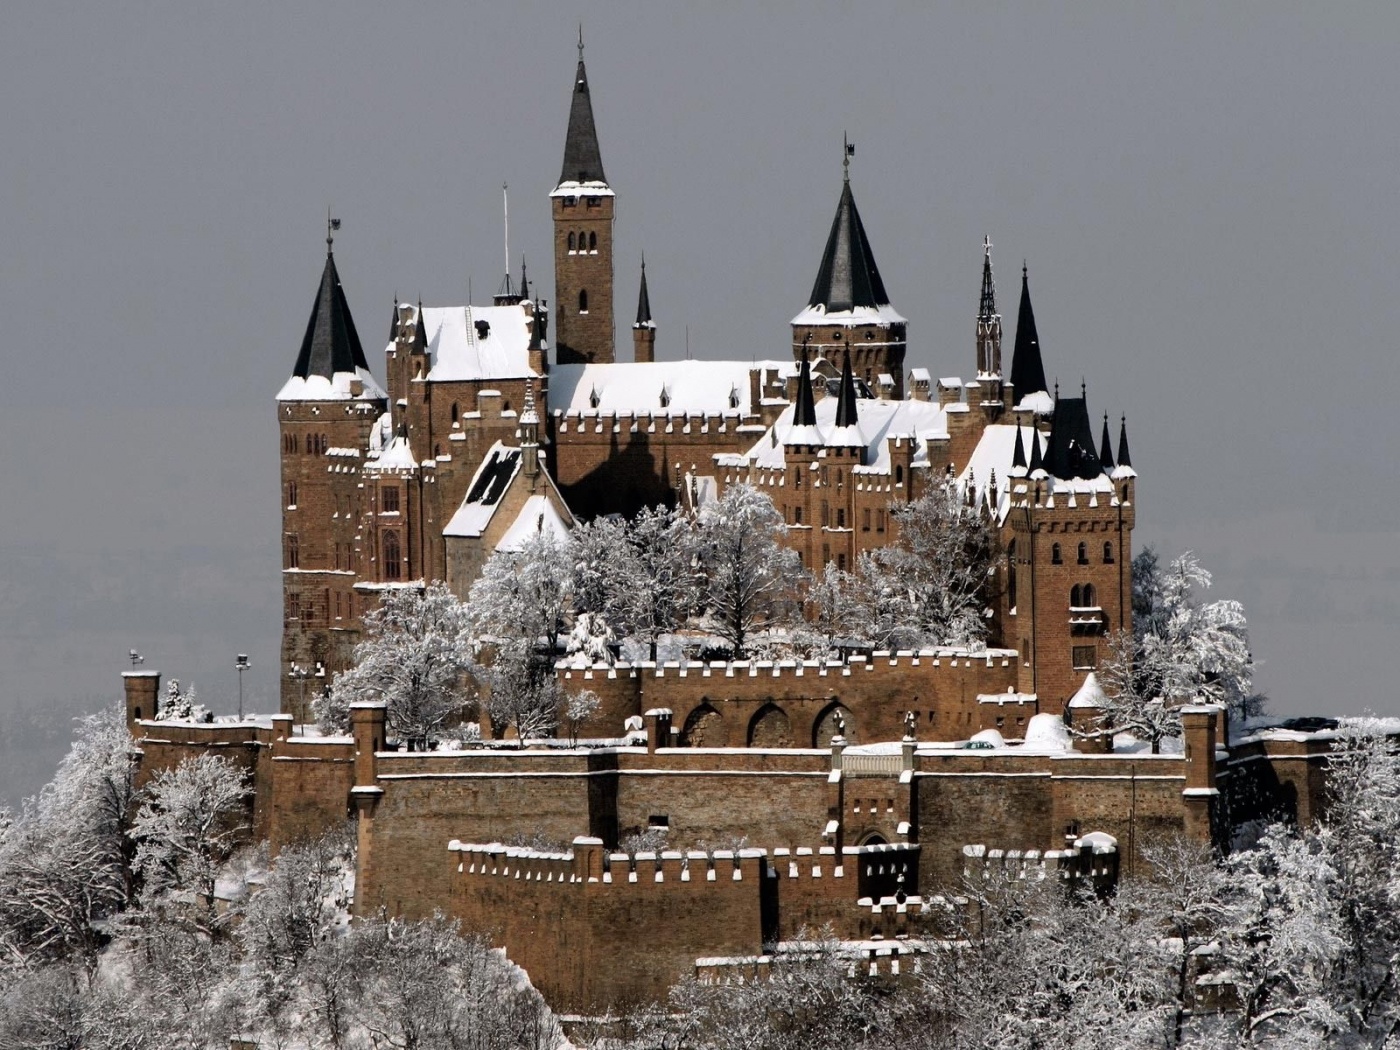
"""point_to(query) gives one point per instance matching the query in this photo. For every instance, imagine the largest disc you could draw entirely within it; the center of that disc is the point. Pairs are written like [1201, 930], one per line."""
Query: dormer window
[665, 397]
[593, 398]
[733, 397]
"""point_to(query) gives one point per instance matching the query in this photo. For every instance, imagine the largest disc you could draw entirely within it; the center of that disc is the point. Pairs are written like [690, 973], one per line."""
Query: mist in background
[1206, 199]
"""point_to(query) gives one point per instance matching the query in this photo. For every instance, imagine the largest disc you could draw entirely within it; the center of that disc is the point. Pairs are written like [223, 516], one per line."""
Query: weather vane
[331, 226]
[848, 150]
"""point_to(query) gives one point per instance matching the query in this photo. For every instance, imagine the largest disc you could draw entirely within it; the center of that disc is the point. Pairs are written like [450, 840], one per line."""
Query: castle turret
[644, 331]
[583, 234]
[849, 307]
[330, 402]
[988, 322]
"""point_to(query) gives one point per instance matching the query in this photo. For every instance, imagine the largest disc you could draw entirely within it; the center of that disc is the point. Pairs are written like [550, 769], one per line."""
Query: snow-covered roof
[395, 457]
[878, 422]
[1039, 402]
[538, 515]
[478, 342]
[995, 451]
[1090, 694]
[336, 388]
[490, 482]
[661, 388]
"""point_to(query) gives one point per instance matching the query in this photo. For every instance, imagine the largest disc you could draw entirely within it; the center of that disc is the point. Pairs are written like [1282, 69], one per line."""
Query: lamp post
[301, 674]
[242, 665]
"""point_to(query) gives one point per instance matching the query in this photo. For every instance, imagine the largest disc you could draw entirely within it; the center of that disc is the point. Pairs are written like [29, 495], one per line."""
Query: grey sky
[1207, 200]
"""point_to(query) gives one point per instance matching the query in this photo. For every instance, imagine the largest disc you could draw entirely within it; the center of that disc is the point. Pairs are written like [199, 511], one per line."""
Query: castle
[481, 438]
[791, 794]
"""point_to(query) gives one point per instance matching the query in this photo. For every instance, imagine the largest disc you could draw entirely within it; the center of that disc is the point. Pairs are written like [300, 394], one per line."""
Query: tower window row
[1057, 556]
[583, 242]
[316, 444]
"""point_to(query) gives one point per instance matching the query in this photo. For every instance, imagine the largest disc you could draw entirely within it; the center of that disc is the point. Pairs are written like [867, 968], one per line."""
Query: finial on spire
[1083, 389]
[580, 41]
[1057, 388]
[848, 150]
[987, 245]
[1025, 271]
[331, 226]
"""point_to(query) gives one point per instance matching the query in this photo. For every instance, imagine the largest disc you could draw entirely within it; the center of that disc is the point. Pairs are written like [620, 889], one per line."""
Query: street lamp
[242, 665]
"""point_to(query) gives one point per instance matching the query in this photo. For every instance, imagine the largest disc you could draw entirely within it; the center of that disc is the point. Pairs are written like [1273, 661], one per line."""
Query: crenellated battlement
[950, 657]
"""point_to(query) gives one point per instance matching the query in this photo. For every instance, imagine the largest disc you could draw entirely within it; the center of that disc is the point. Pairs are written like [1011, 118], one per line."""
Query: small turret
[1106, 448]
[644, 331]
[1124, 469]
[1018, 457]
[530, 433]
[988, 321]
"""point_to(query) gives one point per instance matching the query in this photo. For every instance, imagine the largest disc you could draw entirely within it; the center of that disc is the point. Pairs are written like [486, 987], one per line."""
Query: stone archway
[705, 727]
[873, 838]
[771, 727]
[825, 726]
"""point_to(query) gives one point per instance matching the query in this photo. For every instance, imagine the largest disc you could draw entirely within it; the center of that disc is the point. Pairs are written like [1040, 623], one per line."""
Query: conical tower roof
[583, 162]
[846, 404]
[987, 307]
[1106, 448]
[331, 343]
[848, 277]
[644, 301]
[1027, 371]
[805, 414]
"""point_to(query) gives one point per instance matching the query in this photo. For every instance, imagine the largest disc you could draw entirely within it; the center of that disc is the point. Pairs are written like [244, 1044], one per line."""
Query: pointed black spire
[1018, 457]
[643, 299]
[331, 343]
[582, 160]
[1037, 461]
[846, 405]
[524, 281]
[1124, 460]
[394, 324]
[1072, 452]
[805, 415]
[1027, 371]
[421, 333]
[848, 277]
[987, 309]
[1106, 449]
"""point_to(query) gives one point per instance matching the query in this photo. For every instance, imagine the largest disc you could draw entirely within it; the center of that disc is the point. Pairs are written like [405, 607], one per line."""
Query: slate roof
[1027, 370]
[583, 162]
[331, 343]
[644, 302]
[848, 277]
[1072, 452]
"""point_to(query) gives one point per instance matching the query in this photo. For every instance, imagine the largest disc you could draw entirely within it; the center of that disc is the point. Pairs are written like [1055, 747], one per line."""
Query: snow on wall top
[538, 515]
[478, 342]
[853, 318]
[995, 451]
[661, 388]
[337, 388]
[878, 422]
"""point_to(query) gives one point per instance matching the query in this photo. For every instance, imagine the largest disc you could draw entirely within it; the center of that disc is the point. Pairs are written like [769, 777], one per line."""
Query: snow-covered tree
[748, 571]
[930, 586]
[1182, 651]
[656, 582]
[578, 709]
[599, 549]
[592, 639]
[836, 611]
[526, 594]
[63, 860]
[416, 651]
[191, 819]
[524, 692]
[180, 704]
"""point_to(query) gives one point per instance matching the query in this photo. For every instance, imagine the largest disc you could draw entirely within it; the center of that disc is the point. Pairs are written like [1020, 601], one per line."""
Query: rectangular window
[294, 606]
[1085, 657]
[840, 517]
[797, 515]
[293, 557]
[880, 521]
[826, 515]
[865, 520]
[841, 562]
[291, 495]
[390, 499]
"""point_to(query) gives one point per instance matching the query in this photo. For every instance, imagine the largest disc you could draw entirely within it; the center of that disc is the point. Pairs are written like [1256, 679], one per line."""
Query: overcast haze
[1207, 201]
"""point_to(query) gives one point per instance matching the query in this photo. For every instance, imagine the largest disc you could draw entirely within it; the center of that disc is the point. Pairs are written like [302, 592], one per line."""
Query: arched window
[583, 301]
[293, 551]
[1108, 554]
[1056, 558]
[456, 413]
[1011, 586]
[1082, 596]
[899, 475]
[393, 566]
[291, 494]
[1083, 554]
[592, 242]
[571, 240]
